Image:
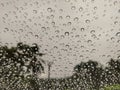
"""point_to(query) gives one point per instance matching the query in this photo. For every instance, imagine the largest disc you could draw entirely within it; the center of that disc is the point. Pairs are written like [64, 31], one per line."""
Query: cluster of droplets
[68, 31]
[17, 66]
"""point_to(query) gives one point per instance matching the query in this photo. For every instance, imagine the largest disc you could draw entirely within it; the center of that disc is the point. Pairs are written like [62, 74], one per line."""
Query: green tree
[89, 74]
[19, 66]
[111, 75]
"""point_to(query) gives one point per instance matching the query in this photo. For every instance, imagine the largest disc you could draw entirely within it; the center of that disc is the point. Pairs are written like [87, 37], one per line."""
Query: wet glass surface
[59, 44]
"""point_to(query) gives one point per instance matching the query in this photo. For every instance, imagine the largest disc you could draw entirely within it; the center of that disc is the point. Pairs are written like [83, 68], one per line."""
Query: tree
[19, 66]
[111, 74]
[89, 74]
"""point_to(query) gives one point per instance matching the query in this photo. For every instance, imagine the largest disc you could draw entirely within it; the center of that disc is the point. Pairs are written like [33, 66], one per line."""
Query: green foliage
[93, 75]
[89, 72]
[20, 65]
[112, 87]
[17, 64]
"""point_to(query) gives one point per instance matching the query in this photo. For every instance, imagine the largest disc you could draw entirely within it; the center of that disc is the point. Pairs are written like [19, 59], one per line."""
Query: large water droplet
[87, 21]
[49, 10]
[66, 33]
[81, 9]
[82, 29]
[73, 7]
[118, 34]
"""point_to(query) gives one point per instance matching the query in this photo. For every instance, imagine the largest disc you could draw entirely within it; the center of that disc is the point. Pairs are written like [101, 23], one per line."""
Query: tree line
[21, 65]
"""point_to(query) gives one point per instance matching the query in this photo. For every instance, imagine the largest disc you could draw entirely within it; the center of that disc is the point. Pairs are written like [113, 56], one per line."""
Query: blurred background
[67, 31]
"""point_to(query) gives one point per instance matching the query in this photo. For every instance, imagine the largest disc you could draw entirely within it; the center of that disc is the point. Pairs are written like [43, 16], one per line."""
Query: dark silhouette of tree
[89, 74]
[19, 66]
[111, 73]
[93, 75]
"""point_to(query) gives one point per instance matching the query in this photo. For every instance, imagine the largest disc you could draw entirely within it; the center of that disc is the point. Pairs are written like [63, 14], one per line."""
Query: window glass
[59, 44]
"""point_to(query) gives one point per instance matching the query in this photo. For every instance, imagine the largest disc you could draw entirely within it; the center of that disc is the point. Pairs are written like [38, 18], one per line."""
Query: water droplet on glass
[6, 29]
[35, 11]
[69, 23]
[36, 36]
[118, 41]
[87, 21]
[67, 0]
[73, 7]
[89, 41]
[43, 28]
[49, 10]
[95, 8]
[92, 31]
[81, 9]
[67, 17]
[60, 17]
[116, 22]
[118, 34]
[66, 33]
[82, 29]
[76, 19]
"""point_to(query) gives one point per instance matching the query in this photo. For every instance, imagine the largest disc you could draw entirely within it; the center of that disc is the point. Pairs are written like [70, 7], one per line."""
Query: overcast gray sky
[68, 31]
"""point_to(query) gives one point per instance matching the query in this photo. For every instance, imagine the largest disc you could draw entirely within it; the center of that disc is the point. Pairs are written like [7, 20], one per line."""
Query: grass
[112, 87]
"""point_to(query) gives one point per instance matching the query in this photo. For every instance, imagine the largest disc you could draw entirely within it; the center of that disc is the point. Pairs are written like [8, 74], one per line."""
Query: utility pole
[49, 68]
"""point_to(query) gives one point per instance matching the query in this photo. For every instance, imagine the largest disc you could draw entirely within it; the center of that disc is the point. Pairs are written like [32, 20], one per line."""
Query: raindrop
[67, 0]
[6, 15]
[62, 36]
[49, 10]
[118, 57]
[118, 34]
[61, 10]
[55, 47]
[115, 2]
[36, 36]
[87, 21]
[69, 23]
[92, 31]
[2, 4]
[6, 29]
[21, 30]
[73, 7]
[84, 0]
[67, 17]
[60, 17]
[93, 50]
[57, 31]
[116, 22]
[53, 23]
[112, 38]
[118, 41]
[52, 16]
[35, 11]
[66, 33]
[119, 11]
[94, 36]
[76, 19]
[81, 9]
[82, 29]
[67, 46]
[95, 8]
[89, 41]
[43, 28]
